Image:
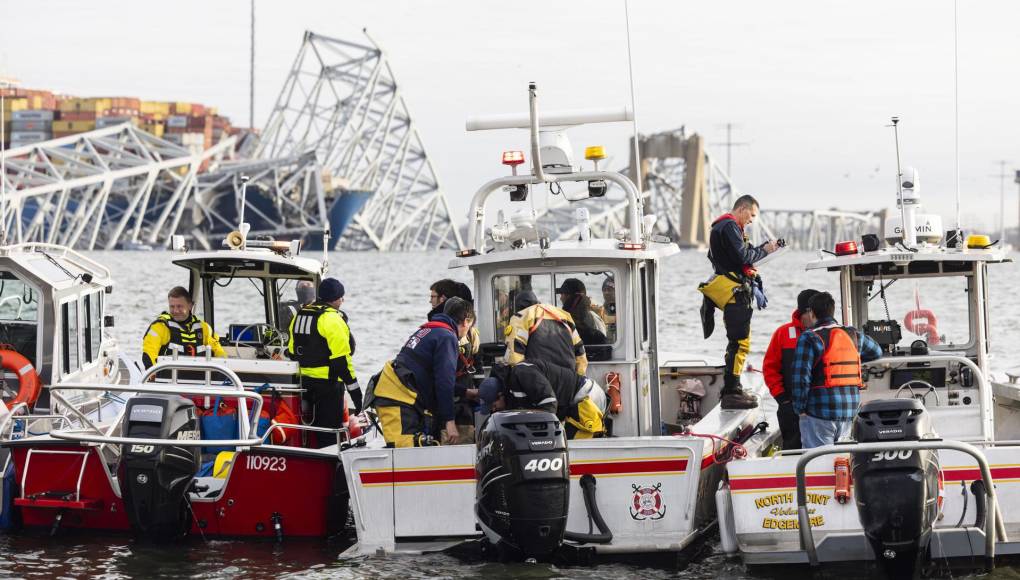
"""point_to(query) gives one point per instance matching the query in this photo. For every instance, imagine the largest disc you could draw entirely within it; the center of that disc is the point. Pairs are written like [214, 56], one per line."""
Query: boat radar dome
[926, 228]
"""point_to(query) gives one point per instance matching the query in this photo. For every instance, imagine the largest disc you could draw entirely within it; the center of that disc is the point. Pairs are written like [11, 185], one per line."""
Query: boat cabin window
[93, 336]
[292, 294]
[510, 290]
[19, 315]
[238, 302]
[69, 324]
[933, 309]
[590, 298]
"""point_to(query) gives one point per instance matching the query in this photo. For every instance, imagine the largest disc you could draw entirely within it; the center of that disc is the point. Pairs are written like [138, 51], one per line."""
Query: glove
[355, 391]
[759, 294]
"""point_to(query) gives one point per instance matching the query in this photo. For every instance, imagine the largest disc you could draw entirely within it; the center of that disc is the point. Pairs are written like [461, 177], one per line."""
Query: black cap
[804, 297]
[330, 289]
[524, 299]
[572, 286]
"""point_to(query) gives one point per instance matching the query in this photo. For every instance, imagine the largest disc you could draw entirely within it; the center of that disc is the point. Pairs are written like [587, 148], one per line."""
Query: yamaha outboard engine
[523, 488]
[156, 478]
[897, 492]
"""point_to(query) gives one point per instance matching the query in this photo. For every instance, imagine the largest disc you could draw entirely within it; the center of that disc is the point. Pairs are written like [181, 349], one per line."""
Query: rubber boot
[738, 400]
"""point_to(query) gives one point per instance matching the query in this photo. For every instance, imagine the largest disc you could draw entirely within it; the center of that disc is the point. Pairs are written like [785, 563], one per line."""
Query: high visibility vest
[310, 348]
[186, 338]
[840, 364]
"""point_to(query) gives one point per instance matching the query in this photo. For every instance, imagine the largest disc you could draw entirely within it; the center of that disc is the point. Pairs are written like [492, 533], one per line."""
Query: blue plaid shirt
[833, 404]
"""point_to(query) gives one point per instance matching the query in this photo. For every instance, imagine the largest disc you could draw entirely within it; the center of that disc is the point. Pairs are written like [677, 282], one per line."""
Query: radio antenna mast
[633, 107]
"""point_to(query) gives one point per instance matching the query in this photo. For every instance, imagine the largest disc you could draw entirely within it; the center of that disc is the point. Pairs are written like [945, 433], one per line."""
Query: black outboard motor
[156, 478]
[523, 488]
[897, 492]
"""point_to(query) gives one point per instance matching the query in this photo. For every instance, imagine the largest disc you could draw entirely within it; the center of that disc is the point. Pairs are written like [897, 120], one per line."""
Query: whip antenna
[633, 106]
[956, 110]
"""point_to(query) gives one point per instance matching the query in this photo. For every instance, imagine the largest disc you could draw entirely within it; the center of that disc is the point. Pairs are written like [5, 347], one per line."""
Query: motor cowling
[523, 482]
[157, 478]
[897, 492]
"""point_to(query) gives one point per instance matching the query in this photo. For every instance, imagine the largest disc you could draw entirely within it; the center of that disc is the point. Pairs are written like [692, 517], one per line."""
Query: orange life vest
[840, 364]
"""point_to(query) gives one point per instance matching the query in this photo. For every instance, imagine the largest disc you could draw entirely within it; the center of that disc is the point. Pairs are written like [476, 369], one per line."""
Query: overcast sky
[809, 84]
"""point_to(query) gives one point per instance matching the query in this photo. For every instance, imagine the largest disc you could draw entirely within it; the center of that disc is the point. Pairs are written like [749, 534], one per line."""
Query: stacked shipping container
[33, 115]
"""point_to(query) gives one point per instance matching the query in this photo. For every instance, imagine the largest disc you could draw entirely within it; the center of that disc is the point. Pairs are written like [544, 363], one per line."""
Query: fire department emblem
[647, 503]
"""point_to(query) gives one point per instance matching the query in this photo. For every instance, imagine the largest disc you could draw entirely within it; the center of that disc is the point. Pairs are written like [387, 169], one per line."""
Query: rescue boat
[523, 489]
[930, 474]
[202, 445]
[54, 329]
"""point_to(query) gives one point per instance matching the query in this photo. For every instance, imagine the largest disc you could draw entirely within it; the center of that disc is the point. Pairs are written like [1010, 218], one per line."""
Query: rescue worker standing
[730, 289]
[577, 401]
[179, 331]
[543, 332]
[320, 342]
[778, 369]
[827, 374]
[413, 394]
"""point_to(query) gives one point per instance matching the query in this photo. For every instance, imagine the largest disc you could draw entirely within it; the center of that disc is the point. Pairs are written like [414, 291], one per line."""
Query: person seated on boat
[608, 309]
[574, 298]
[178, 330]
[543, 332]
[577, 401]
[778, 369]
[439, 292]
[730, 290]
[827, 374]
[413, 394]
[320, 342]
[465, 390]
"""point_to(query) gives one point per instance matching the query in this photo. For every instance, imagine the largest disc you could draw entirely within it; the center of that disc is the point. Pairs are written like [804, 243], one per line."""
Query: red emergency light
[513, 158]
[846, 248]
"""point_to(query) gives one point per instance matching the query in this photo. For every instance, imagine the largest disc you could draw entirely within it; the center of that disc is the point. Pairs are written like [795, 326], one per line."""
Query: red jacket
[779, 357]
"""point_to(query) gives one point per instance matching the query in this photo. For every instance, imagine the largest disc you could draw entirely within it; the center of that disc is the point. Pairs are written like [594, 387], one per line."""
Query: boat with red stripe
[521, 488]
[931, 472]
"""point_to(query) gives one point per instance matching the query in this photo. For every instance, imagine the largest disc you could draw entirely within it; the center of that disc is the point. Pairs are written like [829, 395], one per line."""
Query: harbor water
[387, 297]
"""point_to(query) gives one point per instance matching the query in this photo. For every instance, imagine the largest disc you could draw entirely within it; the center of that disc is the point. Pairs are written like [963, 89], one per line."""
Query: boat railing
[983, 387]
[343, 435]
[98, 436]
[994, 526]
[80, 260]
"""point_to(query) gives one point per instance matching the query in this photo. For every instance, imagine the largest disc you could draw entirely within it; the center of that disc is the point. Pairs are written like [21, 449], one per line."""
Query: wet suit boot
[737, 318]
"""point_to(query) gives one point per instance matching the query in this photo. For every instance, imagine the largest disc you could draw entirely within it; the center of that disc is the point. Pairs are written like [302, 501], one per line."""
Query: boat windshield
[239, 302]
[18, 300]
[589, 298]
[933, 309]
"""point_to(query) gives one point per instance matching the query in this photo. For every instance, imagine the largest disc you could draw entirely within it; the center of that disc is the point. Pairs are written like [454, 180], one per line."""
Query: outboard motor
[156, 478]
[523, 488]
[897, 492]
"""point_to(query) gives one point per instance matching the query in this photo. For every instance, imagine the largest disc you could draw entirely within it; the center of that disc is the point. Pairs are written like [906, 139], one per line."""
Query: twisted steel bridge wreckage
[339, 154]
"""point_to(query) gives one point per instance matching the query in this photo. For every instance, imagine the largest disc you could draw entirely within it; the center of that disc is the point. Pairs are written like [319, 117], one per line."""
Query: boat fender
[605, 535]
[613, 390]
[980, 506]
[29, 385]
[841, 467]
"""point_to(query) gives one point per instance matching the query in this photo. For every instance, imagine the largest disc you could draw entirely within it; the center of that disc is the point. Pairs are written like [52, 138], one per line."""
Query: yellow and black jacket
[544, 332]
[193, 337]
[320, 341]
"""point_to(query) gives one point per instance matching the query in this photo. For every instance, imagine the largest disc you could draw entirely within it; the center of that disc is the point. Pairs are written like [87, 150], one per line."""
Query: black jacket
[728, 249]
[537, 384]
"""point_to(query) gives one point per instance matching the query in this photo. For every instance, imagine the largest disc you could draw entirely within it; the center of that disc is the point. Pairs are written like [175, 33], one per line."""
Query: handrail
[85, 438]
[807, 540]
[476, 228]
[281, 426]
[67, 252]
[246, 425]
[983, 385]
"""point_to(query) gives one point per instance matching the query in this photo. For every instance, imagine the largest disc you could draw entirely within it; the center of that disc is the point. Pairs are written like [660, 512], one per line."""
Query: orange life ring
[923, 322]
[29, 385]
